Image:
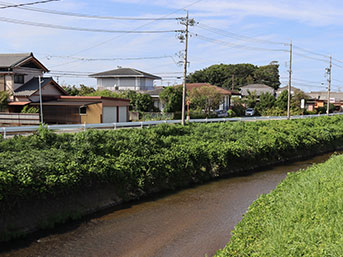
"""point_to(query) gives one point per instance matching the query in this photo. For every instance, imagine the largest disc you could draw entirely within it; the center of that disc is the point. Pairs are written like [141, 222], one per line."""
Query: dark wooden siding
[61, 115]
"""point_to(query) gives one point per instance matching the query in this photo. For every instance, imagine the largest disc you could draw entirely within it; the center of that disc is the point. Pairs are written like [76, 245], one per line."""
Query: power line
[25, 4]
[311, 52]
[45, 25]
[139, 27]
[234, 45]
[109, 59]
[235, 35]
[82, 15]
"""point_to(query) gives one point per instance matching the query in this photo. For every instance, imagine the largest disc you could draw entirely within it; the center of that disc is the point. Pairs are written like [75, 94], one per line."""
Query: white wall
[136, 84]
[123, 114]
[109, 114]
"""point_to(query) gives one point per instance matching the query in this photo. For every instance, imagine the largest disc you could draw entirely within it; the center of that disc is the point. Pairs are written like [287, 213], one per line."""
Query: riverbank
[303, 216]
[47, 178]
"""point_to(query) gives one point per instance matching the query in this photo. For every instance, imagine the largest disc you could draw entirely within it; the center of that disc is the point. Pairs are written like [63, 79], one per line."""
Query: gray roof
[124, 73]
[156, 91]
[257, 86]
[30, 87]
[11, 60]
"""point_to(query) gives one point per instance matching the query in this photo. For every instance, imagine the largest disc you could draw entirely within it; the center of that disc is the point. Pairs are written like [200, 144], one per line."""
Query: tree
[267, 102]
[296, 99]
[282, 101]
[84, 90]
[172, 98]
[268, 75]
[205, 98]
[251, 99]
[71, 90]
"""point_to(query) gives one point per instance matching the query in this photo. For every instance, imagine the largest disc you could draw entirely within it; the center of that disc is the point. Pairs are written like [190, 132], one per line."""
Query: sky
[225, 31]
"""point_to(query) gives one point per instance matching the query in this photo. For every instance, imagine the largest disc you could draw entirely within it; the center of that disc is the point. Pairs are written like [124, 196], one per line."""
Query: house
[321, 97]
[22, 76]
[257, 88]
[125, 79]
[155, 97]
[281, 89]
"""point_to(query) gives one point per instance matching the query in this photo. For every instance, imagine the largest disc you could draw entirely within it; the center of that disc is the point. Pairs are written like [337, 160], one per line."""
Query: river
[191, 222]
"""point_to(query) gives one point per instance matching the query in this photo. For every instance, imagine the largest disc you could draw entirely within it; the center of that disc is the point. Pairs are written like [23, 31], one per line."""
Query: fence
[82, 127]
[19, 118]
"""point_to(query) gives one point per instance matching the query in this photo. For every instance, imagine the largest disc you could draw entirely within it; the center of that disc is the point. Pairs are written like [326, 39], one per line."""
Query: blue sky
[313, 25]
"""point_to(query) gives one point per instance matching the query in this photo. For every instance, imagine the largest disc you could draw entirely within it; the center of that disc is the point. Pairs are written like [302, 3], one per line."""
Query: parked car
[221, 113]
[250, 112]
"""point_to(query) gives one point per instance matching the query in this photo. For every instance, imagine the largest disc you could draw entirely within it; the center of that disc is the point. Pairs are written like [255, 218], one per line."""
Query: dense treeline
[139, 162]
[303, 216]
[226, 75]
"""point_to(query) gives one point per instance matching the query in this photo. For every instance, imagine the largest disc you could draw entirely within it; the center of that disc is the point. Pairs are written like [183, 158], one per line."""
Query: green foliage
[231, 113]
[282, 101]
[238, 107]
[28, 109]
[303, 216]
[139, 161]
[172, 98]
[82, 90]
[269, 75]
[4, 95]
[323, 109]
[222, 74]
[205, 98]
[251, 99]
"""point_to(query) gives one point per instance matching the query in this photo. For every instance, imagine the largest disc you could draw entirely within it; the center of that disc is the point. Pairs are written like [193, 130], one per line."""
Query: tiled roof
[124, 73]
[10, 60]
[156, 91]
[257, 86]
[30, 87]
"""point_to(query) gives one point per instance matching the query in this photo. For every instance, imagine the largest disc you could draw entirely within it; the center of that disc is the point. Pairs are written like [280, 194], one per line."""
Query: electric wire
[25, 4]
[234, 45]
[52, 26]
[235, 35]
[82, 15]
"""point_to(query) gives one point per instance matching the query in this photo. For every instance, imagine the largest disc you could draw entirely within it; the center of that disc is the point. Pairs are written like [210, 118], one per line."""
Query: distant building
[155, 96]
[281, 89]
[125, 79]
[257, 88]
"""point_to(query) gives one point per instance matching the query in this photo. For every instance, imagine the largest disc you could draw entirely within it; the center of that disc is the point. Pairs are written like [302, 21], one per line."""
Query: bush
[231, 113]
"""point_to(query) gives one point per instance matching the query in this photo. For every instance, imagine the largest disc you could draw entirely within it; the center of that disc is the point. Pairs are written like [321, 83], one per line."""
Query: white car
[250, 112]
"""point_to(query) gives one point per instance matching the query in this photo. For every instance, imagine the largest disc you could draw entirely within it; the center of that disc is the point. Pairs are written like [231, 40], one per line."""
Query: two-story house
[19, 75]
[125, 79]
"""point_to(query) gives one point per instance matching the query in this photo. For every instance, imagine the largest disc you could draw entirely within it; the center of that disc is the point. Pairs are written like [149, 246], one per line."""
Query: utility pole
[328, 70]
[40, 101]
[186, 23]
[290, 81]
[233, 82]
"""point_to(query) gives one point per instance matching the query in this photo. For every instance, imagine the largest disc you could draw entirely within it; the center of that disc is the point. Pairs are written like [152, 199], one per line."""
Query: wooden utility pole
[186, 23]
[40, 100]
[233, 82]
[290, 81]
[329, 86]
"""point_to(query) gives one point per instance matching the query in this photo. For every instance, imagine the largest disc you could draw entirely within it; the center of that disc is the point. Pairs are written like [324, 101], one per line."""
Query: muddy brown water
[191, 222]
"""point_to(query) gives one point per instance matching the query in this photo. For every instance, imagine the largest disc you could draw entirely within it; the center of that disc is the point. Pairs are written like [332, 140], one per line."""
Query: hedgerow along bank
[139, 162]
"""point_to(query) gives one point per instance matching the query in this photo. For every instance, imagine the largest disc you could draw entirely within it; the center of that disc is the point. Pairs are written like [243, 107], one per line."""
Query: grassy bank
[139, 162]
[303, 216]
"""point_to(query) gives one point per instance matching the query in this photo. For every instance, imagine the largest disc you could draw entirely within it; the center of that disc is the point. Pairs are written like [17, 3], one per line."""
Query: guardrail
[82, 127]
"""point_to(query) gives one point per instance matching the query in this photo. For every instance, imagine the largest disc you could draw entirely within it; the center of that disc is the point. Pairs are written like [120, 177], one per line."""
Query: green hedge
[141, 161]
[303, 216]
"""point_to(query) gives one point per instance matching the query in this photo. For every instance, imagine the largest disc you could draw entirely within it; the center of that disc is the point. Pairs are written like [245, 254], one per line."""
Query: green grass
[303, 216]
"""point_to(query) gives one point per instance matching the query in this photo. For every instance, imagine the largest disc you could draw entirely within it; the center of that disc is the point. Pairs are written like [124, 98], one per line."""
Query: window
[19, 79]
[83, 110]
